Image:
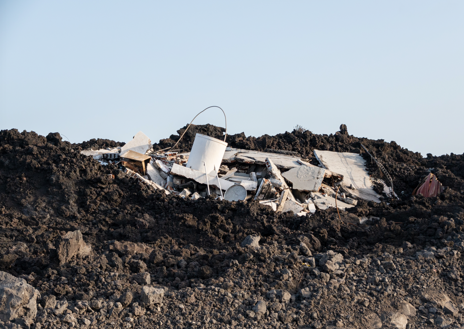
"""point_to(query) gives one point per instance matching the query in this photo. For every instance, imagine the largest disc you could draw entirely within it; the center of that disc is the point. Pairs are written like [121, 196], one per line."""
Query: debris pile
[286, 183]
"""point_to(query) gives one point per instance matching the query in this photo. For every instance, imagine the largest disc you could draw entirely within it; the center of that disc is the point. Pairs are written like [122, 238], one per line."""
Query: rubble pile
[109, 239]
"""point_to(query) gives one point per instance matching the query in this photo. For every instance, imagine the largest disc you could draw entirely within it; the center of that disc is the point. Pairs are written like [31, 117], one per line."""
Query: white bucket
[206, 150]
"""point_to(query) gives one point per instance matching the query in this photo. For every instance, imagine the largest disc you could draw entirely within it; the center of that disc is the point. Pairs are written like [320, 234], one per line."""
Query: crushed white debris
[285, 183]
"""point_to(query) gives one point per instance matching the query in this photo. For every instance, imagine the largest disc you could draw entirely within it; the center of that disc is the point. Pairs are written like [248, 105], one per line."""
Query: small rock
[260, 307]
[137, 310]
[138, 266]
[305, 250]
[399, 320]
[50, 302]
[305, 293]
[285, 274]
[389, 265]
[142, 278]
[325, 277]
[407, 309]
[152, 295]
[407, 245]
[205, 272]
[373, 321]
[250, 314]
[441, 322]
[69, 318]
[449, 308]
[61, 306]
[182, 263]
[284, 296]
[251, 241]
[96, 304]
[70, 245]
[126, 299]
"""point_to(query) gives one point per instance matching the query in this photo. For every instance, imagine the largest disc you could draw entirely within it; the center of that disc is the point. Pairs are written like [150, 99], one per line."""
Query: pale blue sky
[390, 70]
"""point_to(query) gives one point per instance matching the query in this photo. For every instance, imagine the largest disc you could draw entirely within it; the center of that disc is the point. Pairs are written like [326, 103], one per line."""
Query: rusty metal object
[431, 187]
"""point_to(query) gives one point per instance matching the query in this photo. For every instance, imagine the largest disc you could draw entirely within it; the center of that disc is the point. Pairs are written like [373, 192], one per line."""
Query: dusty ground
[403, 268]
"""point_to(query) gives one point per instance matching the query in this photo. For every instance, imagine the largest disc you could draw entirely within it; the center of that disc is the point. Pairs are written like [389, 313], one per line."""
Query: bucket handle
[225, 119]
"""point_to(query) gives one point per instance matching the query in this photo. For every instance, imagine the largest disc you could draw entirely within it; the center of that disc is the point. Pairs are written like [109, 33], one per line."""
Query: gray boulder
[18, 300]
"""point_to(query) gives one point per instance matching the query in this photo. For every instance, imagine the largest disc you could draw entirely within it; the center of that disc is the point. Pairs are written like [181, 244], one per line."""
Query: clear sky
[390, 70]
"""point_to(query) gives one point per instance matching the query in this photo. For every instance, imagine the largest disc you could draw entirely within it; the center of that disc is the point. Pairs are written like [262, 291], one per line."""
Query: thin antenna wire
[225, 118]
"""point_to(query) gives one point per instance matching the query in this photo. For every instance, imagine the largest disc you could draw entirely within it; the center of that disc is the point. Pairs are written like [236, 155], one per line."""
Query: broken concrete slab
[230, 173]
[328, 174]
[18, 300]
[294, 206]
[276, 174]
[140, 143]
[155, 175]
[324, 202]
[282, 161]
[305, 178]
[352, 167]
[200, 177]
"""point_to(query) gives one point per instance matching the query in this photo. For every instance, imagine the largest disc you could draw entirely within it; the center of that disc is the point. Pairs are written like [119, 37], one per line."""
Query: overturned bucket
[206, 151]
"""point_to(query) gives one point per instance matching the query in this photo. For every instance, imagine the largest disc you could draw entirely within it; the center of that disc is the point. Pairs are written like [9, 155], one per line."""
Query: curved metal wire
[225, 119]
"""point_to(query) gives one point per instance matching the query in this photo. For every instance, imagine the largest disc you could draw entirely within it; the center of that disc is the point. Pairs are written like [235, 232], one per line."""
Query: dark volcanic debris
[95, 248]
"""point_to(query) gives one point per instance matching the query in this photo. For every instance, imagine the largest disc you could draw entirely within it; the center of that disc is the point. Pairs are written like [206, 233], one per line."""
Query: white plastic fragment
[140, 143]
